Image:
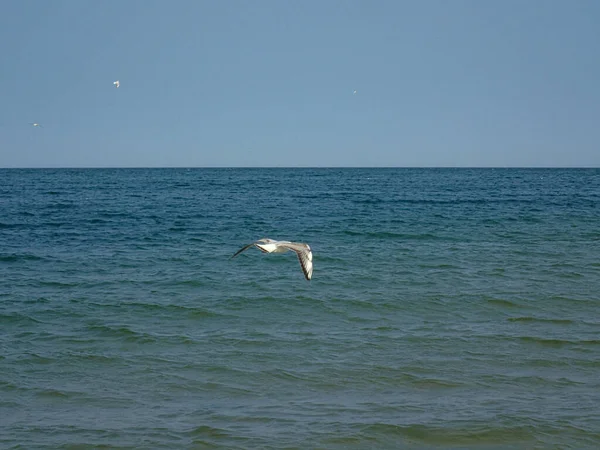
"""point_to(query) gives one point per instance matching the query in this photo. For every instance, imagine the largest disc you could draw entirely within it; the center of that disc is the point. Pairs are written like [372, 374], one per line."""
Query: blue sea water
[449, 308]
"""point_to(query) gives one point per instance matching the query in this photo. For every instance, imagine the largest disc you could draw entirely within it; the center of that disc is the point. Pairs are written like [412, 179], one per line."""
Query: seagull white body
[354, 92]
[116, 83]
[35, 124]
[302, 250]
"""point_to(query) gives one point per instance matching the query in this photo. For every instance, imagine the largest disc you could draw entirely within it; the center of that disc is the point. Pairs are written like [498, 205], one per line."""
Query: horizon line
[294, 167]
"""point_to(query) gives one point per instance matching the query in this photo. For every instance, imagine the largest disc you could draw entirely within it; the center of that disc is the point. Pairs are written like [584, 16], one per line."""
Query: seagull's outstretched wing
[246, 247]
[304, 256]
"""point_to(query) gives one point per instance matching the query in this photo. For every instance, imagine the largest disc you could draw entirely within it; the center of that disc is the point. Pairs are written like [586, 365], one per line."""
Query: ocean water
[449, 308]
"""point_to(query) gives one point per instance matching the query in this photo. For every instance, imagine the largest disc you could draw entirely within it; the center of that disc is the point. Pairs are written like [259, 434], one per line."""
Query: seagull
[35, 124]
[354, 92]
[116, 83]
[271, 246]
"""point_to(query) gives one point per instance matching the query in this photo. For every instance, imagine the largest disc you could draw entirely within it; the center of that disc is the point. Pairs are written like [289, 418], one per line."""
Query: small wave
[503, 303]
[392, 235]
[38, 359]
[54, 224]
[14, 257]
[11, 225]
[12, 405]
[122, 332]
[432, 383]
[17, 318]
[283, 375]
[111, 214]
[192, 283]
[382, 328]
[57, 284]
[558, 342]
[437, 266]
[429, 201]
[541, 320]
[368, 201]
[52, 393]
[61, 205]
[168, 309]
[205, 430]
[8, 386]
[95, 358]
[96, 221]
[125, 333]
[417, 381]
[451, 437]
[35, 301]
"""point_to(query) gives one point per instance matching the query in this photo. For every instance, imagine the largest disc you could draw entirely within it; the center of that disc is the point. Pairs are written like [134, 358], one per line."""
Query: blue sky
[270, 83]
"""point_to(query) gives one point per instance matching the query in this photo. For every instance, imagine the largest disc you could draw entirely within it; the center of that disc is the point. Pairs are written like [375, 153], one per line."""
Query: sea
[448, 309]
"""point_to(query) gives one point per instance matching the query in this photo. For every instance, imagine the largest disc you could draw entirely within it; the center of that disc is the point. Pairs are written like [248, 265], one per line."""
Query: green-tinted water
[449, 308]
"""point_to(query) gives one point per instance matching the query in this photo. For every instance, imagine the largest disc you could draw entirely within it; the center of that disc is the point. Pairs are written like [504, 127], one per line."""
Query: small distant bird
[35, 124]
[271, 246]
[354, 92]
[116, 83]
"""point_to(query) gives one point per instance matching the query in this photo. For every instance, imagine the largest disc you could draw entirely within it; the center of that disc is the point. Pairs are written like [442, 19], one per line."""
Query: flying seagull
[116, 83]
[35, 124]
[354, 92]
[271, 246]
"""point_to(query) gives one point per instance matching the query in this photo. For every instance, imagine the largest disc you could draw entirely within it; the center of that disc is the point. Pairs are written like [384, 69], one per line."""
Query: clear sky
[270, 83]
